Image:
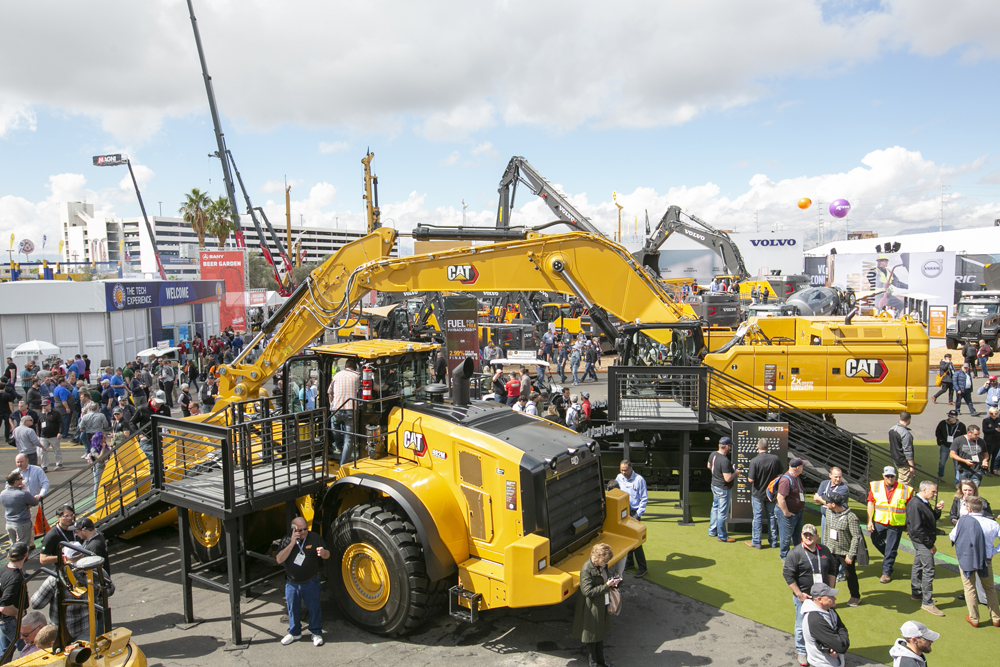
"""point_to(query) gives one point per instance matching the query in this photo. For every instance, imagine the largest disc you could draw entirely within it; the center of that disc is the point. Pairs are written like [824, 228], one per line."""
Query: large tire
[208, 537]
[377, 570]
[951, 343]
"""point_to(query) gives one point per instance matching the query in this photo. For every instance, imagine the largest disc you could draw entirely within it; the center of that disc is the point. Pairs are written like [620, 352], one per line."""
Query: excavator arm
[519, 171]
[591, 267]
[699, 231]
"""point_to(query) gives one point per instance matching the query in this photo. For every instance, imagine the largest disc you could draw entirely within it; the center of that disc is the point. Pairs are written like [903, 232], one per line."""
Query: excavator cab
[675, 344]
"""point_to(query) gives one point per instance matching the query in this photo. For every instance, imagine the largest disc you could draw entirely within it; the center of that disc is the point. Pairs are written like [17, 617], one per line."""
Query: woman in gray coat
[592, 622]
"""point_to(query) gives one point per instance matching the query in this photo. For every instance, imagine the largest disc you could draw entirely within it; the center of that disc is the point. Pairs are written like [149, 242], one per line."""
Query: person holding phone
[591, 622]
[302, 553]
[922, 514]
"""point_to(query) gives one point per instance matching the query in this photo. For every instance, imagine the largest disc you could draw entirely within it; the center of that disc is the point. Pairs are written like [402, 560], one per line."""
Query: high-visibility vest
[890, 513]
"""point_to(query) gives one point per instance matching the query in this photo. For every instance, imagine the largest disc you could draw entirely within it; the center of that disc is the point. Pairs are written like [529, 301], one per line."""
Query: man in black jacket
[8, 401]
[946, 432]
[921, 524]
[143, 416]
[807, 564]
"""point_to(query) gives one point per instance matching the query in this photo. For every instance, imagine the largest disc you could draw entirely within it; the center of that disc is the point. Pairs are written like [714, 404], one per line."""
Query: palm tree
[220, 221]
[193, 210]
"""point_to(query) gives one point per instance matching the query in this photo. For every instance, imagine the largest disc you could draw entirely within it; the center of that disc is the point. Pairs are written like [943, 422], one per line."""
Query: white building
[89, 239]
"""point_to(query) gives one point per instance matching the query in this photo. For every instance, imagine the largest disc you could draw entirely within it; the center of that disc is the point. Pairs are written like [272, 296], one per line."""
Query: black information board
[745, 437]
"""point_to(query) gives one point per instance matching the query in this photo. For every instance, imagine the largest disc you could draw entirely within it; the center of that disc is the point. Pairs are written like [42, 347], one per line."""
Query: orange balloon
[805, 202]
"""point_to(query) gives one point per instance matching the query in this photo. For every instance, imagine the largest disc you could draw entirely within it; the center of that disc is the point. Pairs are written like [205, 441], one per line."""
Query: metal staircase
[702, 398]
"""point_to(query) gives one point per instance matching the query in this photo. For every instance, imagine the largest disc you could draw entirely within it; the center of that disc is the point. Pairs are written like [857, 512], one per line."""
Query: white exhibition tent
[975, 241]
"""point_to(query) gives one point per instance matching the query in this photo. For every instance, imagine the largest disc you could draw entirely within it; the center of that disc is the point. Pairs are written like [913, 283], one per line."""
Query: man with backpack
[764, 469]
[574, 413]
[790, 497]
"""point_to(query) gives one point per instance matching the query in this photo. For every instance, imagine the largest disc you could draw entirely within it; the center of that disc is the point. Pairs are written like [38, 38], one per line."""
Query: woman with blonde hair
[966, 489]
[592, 622]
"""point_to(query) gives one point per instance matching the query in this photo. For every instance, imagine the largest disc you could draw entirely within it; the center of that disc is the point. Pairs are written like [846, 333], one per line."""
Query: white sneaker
[317, 640]
[289, 638]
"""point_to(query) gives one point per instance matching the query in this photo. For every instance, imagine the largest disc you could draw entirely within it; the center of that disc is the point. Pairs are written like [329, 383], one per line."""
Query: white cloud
[892, 190]
[333, 146]
[485, 148]
[274, 185]
[143, 176]
[442, 67]
[451, 160]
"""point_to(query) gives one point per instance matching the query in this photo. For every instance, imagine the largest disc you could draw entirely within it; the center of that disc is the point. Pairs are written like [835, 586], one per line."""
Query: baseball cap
[46, 401]
[795, 463]
[823, 589]
[18, 551]
[835, 498]
[84, 524]
[953, 413]
[123, 399]
[993, 377]
[809, 528]
[912, 629]
[585, 394]
[889, 471]
[160, 397]
[725, 440]
[116, 411]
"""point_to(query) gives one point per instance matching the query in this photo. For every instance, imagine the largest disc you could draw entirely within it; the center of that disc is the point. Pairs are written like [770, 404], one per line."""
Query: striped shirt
[847, 528]
[344, 389]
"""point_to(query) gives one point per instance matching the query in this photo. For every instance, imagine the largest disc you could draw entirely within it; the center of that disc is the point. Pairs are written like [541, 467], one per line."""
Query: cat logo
[415, 441]
[463, 273]
[869, 370]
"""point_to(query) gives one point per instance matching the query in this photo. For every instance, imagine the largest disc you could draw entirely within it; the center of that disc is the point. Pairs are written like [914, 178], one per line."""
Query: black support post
[685, 479]
[184, 530]
[233, 563]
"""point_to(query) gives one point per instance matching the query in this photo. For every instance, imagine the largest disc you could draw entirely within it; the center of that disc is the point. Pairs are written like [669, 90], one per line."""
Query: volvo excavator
[493, 507]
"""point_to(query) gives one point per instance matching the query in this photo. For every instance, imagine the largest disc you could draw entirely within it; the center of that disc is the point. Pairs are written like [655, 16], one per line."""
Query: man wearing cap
[970, 455]
[807, 564]
[109, 399]
[947, 430]
[723, 478]
[51, 424]
[185, 400]
[921, 525]
[842, 536]
[11, 587]
[963, 389]
[901, 448]
[791, 502]
[887, 500]
[764, 468]
[93, 540]
[634, 485]
[992, 392]
[585, 405]
[909, 651]
[128, 410]
[17, 502]
[975, 538]
[144, 417]
[167, 376]
[823, 630]
[945, 372]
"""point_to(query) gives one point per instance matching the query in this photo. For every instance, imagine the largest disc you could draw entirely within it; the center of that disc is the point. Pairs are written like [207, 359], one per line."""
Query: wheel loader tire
[208, 538]
[377, 570]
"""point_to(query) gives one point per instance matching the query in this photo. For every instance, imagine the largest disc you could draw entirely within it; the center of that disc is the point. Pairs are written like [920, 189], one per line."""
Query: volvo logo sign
[774, 243]
[932, 268]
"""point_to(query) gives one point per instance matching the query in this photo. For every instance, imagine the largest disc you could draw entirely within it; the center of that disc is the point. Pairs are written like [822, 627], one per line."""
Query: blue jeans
[763, 510]
[575, 367]
[345, 420]
[976, 477]
[886, 540]
[800, 640]
[561, 367]
[942, 462]
[790, 528]
[295, 595]
[589, 371]
[982, 365]
[965, 395]
[66, 419]
[720, 512]
[8, 632]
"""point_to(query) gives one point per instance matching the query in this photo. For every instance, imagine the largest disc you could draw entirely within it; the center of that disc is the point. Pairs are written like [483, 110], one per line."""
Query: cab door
[301, 386]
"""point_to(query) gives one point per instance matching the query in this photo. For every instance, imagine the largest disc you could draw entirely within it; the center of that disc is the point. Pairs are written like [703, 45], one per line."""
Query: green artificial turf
[748, 582]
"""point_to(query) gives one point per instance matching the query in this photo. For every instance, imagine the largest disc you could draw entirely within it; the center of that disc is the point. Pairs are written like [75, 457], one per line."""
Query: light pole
[114, 160]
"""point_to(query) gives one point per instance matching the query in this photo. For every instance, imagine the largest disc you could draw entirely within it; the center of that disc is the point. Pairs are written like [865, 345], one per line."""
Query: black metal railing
[821, 443]
[644, 397]
[108, 490]
[260, 451]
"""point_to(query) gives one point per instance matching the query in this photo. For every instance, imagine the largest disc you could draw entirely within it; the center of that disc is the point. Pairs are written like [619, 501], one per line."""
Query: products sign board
[461, 330]
[745, 436]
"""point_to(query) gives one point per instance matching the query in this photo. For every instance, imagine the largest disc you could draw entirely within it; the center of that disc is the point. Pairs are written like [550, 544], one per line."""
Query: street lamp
[114, 160]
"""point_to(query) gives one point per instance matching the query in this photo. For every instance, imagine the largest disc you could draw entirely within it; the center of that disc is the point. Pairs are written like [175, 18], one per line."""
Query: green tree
[261, 273]
[194, 212]
[220, 222]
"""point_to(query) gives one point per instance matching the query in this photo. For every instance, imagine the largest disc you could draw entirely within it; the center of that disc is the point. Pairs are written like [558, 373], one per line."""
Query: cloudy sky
[732, 110]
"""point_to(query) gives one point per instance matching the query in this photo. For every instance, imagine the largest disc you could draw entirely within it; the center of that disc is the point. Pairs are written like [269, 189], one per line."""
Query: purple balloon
[840, 208]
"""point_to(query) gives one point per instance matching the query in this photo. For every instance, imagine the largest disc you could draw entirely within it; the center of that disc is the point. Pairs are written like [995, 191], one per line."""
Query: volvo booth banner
[929, 276]
[158, 293]
[227, 266]
[766, 252]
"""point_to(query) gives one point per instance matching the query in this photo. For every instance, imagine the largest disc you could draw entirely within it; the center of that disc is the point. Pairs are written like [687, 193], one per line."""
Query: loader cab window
[301, 384]
[415, 374]
[550, 313]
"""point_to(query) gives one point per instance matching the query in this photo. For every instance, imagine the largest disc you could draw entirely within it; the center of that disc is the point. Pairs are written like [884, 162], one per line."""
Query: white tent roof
[975, 241]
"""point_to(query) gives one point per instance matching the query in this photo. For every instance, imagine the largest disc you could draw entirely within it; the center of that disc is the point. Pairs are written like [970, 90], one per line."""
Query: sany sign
[110, 160]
